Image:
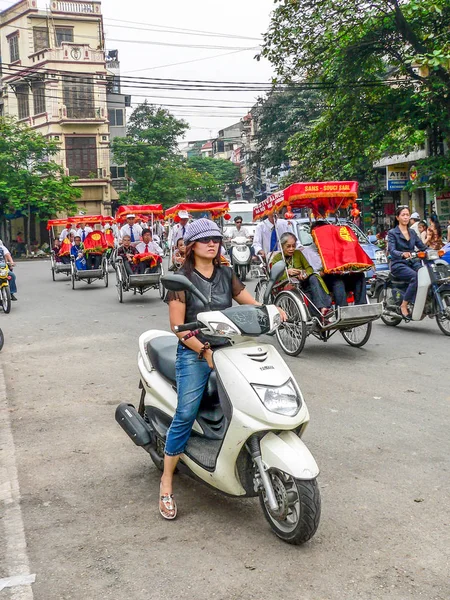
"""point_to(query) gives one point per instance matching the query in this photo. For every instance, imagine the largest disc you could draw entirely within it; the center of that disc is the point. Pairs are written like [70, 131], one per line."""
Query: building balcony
[70, 53]
[79, 8]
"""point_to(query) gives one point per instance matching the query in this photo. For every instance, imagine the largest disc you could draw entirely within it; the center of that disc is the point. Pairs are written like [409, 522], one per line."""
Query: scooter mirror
[180, 283]
[275, 273]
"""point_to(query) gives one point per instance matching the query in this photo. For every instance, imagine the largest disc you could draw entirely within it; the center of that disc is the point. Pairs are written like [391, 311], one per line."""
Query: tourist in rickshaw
[56, 248]
[339, 284]
[131, 228]
[301, 273]
[179, 255]
[148, 246]
[77, 251]
[127, 251]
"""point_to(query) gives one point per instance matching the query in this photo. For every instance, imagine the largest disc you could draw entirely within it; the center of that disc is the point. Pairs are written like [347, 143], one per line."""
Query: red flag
[339, 249]
[109, 237]
[95, 242]
[152, 259]
[66, 246]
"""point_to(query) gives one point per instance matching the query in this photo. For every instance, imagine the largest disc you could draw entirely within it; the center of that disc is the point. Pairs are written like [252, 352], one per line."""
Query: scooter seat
[162, 352]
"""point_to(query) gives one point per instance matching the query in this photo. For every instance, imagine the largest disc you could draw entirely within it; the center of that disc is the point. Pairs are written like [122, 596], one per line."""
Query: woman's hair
[424, 224]
[180, 240]
[189, 261]
[284, 238]
[437, 226]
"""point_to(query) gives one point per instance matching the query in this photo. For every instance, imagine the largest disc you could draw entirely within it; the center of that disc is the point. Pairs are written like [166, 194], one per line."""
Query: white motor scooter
[246, 440]
[241, 257]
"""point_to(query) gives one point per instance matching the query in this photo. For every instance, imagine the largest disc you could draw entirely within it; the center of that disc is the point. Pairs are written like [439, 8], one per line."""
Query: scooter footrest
[203, 451]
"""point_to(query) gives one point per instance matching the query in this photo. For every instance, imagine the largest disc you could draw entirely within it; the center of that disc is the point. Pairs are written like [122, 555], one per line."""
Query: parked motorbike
[246, 440]
[241, 257]
[5, 291]
[433, 292]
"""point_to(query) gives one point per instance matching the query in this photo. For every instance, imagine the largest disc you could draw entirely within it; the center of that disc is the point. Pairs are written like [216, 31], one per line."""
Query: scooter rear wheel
[382, 296]
[443, 321]
[299, 506]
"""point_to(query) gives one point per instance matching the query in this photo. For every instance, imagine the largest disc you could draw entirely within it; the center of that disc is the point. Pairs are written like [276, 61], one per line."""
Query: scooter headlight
[224, 329]
[3, 272]
[432, 254]
[283, 399]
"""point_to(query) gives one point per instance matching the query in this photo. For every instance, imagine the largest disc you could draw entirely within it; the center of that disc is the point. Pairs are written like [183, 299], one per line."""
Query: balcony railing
[81, 8]
[70, 52]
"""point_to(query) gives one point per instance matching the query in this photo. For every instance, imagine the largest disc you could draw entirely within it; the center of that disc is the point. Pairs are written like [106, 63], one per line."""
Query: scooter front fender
[286, 451]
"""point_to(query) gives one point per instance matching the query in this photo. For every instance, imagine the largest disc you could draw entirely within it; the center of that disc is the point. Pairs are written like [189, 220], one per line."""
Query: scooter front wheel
[298, 515]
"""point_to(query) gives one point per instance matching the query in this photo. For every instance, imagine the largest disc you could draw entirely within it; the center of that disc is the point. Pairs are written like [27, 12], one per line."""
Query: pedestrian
[414, 222]
[434, 235]
[423, 227]
[194, 361]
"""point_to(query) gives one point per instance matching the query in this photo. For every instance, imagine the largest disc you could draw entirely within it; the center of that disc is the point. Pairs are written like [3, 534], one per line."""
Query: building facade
[54, 79]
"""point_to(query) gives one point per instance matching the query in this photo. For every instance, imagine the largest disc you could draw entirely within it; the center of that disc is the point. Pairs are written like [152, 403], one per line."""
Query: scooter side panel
[423, 284]
[289, 454]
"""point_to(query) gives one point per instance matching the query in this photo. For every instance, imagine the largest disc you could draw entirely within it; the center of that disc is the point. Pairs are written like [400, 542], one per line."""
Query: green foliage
[29, 179]
[383, 73]
[223, 171]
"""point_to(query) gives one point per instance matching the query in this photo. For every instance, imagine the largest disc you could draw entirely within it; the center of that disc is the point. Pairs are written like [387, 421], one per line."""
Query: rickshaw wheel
[357, 336]
[105, 276]
[119, 284]
[53, 274]
[162, 290]
[2, 339]
[291, 334]
[73, 281]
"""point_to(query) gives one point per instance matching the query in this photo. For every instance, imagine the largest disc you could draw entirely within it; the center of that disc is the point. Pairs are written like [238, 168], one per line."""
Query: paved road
[91, 530]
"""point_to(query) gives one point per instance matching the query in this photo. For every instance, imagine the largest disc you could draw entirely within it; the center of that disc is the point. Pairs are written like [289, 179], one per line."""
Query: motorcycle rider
[402, 241]
[236, 232]
[195, 352]
[5, 256]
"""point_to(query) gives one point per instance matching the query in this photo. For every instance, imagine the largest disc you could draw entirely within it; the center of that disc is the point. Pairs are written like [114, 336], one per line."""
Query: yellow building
[54, 79]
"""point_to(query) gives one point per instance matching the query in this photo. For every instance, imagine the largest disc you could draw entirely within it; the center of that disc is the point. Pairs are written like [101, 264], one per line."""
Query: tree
[222, 175]
[29, 179]
[383, 70]
[149, 152]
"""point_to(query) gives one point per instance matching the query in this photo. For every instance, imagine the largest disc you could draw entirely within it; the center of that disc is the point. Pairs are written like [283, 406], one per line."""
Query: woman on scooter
[194, 361]
[402, 241]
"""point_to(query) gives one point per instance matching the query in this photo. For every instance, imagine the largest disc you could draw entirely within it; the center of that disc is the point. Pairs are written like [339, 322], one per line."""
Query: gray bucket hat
[201, 228]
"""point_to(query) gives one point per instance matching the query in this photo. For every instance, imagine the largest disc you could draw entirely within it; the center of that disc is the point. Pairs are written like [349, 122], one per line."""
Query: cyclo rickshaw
[57, 266]
[139, 283]
[209, 210]
[353, 322]
[96, 245]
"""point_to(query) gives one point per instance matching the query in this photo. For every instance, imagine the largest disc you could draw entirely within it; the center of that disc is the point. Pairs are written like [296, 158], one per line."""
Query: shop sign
[397, 177]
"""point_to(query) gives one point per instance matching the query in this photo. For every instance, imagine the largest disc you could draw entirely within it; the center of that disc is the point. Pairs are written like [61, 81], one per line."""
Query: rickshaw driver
[132, 229]
[179, 230]
[83, 231]
[265, 240]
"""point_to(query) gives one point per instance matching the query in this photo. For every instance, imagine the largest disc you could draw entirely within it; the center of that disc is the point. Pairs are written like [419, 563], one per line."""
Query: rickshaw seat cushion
[162, 352]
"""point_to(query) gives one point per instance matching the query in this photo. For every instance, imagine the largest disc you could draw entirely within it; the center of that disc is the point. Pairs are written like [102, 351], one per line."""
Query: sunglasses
[206, 240]
[237, 222]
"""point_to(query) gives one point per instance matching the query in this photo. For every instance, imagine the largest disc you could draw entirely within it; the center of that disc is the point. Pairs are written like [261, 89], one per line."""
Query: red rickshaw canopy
[57, 222]
[90, 219]
[322, 197]
[139, 210]
[217, 209]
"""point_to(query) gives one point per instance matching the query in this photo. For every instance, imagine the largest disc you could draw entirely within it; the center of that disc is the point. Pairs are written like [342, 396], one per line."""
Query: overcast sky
[134, 21]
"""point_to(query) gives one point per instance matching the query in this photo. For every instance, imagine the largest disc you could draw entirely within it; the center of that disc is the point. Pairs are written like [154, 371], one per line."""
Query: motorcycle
[241, 257]
[246, 440]
[5, 291]
[433, 292]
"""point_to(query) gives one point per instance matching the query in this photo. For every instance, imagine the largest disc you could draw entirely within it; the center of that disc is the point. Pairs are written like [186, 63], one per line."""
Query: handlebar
[188, 327]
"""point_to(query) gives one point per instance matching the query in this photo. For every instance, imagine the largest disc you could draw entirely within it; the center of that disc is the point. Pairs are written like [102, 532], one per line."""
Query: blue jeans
[192, 377]
[12, 283]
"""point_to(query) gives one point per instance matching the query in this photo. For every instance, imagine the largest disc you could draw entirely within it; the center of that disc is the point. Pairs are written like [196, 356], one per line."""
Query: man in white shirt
[83, 231]
[147, 245]
[414, 222]
[266, 240]
[68, 229]
[132, 229]
[5, 256]
[180, 228]
[238, 230]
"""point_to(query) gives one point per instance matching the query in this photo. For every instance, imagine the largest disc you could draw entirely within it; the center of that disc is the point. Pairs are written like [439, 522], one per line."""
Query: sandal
[167, 506]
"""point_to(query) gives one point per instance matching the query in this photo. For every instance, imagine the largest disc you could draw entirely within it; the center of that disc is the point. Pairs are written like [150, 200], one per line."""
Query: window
[40, 37]
[78, 94]
[117, 172]
[63, 34]
[14, 47]
[115, 117]
[38, 98]
[81, 156]
[23, 105]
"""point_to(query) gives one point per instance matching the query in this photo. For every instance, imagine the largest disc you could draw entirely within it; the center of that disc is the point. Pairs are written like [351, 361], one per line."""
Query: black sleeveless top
[219, 289]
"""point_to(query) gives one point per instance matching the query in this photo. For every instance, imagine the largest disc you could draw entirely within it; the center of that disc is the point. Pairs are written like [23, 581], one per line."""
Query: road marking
[16, 558]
